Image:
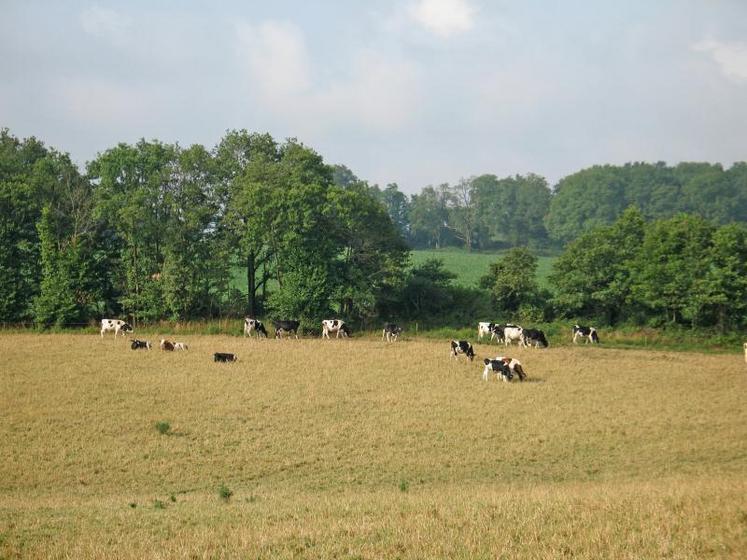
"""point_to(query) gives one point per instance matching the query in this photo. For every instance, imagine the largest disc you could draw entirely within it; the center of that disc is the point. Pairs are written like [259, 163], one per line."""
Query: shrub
[225, 492]
[163, 427]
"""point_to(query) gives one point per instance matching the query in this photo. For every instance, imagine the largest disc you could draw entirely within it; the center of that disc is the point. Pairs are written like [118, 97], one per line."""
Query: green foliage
[163, 427]
[224, 492]
[512, 281]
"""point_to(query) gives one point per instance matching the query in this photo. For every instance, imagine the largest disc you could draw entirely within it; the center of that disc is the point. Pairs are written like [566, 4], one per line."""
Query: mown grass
[359, 449]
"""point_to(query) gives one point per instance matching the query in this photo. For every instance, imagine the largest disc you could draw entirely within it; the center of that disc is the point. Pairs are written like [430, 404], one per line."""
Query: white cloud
[102, 103]
[107, 24]
[443, 18]
[730, 57]
[372, 92]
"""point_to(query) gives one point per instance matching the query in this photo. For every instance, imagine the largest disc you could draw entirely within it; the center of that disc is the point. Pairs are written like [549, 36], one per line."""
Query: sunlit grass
[356, 448]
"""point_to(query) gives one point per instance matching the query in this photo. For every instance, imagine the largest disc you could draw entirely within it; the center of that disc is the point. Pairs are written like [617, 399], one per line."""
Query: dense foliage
[155, 231]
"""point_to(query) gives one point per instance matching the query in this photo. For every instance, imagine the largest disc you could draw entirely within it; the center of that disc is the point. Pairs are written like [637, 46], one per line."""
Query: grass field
[357, 449]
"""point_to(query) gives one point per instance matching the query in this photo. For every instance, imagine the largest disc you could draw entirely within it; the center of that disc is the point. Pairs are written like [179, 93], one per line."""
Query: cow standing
[336, 326]
[254, 325]
[589, 333]
[116, 325]
[511, 333]
[533, 337]
[514, 365]
[290, 327]
[499, 367]
[391, 332]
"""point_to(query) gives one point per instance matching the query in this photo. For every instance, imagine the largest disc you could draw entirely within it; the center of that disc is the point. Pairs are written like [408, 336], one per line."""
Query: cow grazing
[589, 333]
[116, 325]
[224, 357]
[514, 365]
[286, 327]
[499, 367]
[533, 337]
[167, 346]
[391, 332]
[496, 331]
[462, 347]
[336, 326]
[140, 344]
[254, 325]
[512, 333]
[181, 346]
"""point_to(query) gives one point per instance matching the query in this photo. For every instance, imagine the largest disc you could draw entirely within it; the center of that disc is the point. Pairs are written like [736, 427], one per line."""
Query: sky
[413, 92]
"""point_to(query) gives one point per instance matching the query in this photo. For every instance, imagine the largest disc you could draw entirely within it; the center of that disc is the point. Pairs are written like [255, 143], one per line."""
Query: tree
[512, 282]
[429, 216]
[462, 212]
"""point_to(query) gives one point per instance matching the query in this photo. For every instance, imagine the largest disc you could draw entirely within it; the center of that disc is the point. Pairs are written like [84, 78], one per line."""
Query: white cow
[335, 326]
[116, 325]
[511, 333]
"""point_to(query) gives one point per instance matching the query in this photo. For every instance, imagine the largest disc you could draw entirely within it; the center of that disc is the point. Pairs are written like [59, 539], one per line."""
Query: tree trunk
[251, 281]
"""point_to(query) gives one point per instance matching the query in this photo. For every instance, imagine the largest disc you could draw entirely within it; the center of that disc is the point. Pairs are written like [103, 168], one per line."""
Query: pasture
[361, 449]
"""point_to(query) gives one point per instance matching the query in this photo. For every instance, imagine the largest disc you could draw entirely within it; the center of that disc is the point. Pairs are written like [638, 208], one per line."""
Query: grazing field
[470, 267]
[359, 449]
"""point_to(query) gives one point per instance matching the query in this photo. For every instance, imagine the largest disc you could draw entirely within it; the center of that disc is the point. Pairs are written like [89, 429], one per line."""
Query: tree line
[154, 231]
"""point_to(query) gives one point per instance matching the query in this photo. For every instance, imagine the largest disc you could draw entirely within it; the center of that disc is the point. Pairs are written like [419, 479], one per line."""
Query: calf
[224, 357]
[589, 333]
[335, 326]
[391, 332]
[181, 346]
[287, 327]
[166, 345]
[462, 347]
[116, 325]
[500, 368]
[254, 325]
[140, 344]
[534, 337]
[514, 365]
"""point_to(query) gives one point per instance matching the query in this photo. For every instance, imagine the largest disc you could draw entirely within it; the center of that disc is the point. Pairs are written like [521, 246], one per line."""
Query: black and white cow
[286, 327]
[589, 333]
[166, 346]
[254, 325]
[512, 333]
[335, 326]
[497, 333]
[514, 365]
[499, 367]
[533, 337]
[224, 357]
[462, 347]
[483, 329]
[181, 346]
[391, 332]
[140, 344]
[116, 325]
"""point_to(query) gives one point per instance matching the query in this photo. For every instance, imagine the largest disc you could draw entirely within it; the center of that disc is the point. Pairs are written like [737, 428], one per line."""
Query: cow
[335, 326]
[514, 365]
[589, 333]
[496, 331]
[533, 337]
[224, 357]
[167, 346]
[286, 326]
[254, 325]
[511, 333]
[140, 344]
[181, 346]
[484, 328]
[116, 325]
[462, 347]
[391, 332]
[500, 368]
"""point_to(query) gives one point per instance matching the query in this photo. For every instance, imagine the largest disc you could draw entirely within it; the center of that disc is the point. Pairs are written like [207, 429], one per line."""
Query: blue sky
[415, 92]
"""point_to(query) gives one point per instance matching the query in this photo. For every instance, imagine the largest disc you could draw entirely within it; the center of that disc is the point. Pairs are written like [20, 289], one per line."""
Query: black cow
[224, 357]
[589, 333]
[140, 344]
[462, 347]
[391, 332]
[533, 337]
[254, 325]
[497, 332]
[500, 368]
[286, 326]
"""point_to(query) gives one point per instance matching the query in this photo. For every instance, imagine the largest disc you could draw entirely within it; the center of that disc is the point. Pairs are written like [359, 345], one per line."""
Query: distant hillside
[470, 267]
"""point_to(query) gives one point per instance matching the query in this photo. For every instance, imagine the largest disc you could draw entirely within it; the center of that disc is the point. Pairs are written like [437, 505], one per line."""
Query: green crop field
[470, 267]
[359, 449]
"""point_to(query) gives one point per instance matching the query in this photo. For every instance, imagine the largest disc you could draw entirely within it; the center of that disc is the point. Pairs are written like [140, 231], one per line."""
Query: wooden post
[745, 352]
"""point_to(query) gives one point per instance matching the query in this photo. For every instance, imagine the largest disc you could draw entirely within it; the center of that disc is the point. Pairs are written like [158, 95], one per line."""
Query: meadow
[359, 449]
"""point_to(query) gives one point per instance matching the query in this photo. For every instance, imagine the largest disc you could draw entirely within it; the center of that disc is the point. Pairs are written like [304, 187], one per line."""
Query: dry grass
[358, 449]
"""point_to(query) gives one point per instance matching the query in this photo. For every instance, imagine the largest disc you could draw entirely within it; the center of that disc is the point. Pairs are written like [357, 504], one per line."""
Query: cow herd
[505, 368]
